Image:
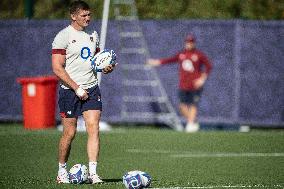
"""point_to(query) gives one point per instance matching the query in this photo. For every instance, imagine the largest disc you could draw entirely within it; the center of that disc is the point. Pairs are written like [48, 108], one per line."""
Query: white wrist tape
[80, 92]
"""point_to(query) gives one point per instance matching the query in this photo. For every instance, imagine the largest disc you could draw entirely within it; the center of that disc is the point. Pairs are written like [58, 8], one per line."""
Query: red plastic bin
[39, 101]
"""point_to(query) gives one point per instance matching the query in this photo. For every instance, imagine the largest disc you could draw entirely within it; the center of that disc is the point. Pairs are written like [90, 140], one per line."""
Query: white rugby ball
[78, 174]
[132, 180]
[136, 180]
[146, 179]
[103, 59]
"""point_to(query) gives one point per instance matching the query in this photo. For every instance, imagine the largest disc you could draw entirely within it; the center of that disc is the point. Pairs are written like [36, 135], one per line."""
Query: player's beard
[83, 24]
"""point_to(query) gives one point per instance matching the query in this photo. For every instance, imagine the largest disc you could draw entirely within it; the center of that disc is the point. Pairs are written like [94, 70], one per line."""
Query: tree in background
[157, 9]
[211, 9]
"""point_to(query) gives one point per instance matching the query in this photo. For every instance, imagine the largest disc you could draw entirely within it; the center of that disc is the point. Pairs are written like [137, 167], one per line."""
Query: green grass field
[174, 160]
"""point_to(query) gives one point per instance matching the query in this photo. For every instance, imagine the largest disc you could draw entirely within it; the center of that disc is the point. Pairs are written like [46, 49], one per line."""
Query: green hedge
[157, 9]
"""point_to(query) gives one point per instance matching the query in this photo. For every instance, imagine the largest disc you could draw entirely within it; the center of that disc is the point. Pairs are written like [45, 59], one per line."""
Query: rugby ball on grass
[136, 180]
[78, 174]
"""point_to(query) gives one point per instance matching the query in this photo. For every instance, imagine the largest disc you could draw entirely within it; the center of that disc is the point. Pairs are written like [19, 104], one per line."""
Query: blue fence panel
[217, 99]
[262, 72]
[246, 84]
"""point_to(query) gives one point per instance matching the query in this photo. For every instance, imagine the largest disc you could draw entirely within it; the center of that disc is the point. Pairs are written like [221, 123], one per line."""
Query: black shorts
[71, 106]
[190, 97]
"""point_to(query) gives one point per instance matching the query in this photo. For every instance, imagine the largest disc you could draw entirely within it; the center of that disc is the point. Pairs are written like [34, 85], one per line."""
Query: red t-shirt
[190, 67]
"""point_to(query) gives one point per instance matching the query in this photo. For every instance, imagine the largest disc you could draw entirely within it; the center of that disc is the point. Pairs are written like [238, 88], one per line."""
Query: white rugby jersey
[79, 47]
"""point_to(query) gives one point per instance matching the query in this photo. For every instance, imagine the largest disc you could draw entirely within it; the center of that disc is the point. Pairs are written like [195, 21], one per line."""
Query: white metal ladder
[141, 83]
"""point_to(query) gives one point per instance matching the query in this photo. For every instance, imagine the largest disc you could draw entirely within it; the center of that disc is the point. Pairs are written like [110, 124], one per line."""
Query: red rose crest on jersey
[182, 56]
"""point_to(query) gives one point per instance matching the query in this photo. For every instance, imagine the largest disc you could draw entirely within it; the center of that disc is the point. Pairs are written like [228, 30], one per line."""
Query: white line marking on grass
[150, 151]
[153, 151]
[200, 155]
[223, 186]
[187, 154]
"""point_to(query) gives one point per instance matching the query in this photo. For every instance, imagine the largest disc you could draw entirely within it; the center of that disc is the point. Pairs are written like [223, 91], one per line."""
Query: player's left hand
[198, 83]
[109, 68]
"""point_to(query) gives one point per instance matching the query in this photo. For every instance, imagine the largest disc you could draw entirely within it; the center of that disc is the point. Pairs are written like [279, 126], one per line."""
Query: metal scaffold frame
[126, 18]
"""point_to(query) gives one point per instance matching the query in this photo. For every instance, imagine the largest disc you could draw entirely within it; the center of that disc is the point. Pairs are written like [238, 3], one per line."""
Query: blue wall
[246, 84]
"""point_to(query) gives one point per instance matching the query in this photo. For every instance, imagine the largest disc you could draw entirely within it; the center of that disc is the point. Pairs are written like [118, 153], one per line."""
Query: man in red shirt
[192, 77]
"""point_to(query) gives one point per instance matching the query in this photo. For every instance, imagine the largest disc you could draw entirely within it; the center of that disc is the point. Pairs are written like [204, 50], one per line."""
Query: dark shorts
[71, 106]
[190, 97]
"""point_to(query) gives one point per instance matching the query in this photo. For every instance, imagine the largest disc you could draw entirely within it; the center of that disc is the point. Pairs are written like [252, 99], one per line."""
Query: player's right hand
[153, 62]
[82, 93]
[109, 68]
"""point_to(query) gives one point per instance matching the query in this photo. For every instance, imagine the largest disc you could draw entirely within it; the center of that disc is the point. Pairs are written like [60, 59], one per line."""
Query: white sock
[93, 167]
[62, 167]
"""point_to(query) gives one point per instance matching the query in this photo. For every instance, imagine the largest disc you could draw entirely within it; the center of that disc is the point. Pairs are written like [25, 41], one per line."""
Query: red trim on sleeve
[63, 115]
[58, 51]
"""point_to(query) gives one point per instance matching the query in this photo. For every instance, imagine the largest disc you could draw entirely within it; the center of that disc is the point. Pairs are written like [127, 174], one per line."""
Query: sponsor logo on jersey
[194, 57]
[187, 65]
[182, 56]
[73, 41]
[69, 112]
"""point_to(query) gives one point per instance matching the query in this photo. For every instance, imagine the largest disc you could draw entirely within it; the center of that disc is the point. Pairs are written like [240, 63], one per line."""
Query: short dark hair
[77, 5]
